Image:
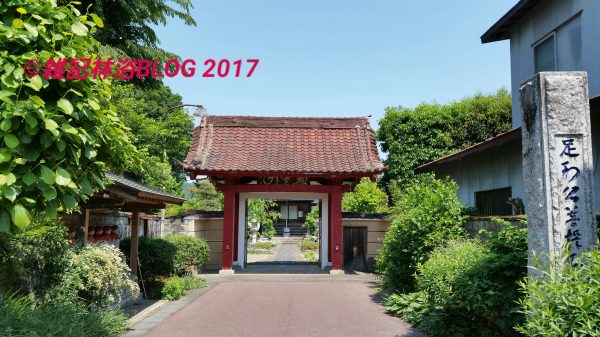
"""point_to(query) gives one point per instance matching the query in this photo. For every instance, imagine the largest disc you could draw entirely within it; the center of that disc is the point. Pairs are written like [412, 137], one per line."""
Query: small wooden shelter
[128, 196]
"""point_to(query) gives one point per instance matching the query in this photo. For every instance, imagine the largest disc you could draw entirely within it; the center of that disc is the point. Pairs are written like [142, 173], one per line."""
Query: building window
[545, 55]
[494, 202]
[560, 50]
[568, 46]
[289, 212]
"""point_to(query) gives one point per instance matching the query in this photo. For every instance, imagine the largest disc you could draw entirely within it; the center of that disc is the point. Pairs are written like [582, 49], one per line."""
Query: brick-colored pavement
[284, 308]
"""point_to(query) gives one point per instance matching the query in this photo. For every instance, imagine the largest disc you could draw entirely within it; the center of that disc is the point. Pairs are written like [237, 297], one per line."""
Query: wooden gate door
[355, 248]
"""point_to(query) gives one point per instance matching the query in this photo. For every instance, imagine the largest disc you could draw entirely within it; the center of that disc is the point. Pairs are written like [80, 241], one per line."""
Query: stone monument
[557, 164]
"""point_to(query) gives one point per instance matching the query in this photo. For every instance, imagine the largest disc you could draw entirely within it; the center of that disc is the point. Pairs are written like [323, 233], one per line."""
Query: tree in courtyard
[57, 136]
[413, 137]
[366, 197]
[311, 223]
[265, 212]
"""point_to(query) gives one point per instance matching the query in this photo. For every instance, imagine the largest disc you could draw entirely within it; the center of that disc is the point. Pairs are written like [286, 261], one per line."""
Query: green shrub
[22, 316]
[563, 300]
[31, 260]
[366, 197]
[427, 214]
[157, 256]
[175, 287]
[411, 307]
[308, 245]
[191, 253]
[96, 274]
[468, 288]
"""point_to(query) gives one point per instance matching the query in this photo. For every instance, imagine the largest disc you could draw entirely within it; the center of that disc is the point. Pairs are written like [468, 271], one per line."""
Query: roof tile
[238, 144]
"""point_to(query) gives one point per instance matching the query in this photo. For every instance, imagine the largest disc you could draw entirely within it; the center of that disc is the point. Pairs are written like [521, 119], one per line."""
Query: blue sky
[339, 57]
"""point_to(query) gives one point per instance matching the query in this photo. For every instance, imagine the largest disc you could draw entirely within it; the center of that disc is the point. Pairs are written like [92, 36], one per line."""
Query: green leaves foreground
[56, 136]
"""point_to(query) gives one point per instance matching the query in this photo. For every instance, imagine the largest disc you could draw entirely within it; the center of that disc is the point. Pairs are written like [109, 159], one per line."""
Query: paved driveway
[284, 308]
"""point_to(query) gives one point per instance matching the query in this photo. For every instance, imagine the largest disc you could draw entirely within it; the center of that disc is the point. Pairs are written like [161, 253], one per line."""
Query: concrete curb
[146, 312]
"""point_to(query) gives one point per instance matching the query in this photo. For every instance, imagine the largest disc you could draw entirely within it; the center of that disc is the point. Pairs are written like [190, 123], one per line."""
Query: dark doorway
[355, 252]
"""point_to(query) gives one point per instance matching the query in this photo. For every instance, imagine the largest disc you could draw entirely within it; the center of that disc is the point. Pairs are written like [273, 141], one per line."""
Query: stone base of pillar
[336, 272]
[226, 272]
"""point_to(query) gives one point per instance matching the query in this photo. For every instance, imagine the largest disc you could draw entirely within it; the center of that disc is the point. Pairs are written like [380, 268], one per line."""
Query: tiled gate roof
[278, 145]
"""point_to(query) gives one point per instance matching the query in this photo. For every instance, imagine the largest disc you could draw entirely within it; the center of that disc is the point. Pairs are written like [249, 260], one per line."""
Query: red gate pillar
[336, 230]
[228, 226]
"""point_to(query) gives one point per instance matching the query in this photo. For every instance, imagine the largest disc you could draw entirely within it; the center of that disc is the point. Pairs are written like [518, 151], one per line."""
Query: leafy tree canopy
[165, 134]
[366, 197]
[413, 137]
[204, 197]
[312, 221]
[129, 23]
[57, 136]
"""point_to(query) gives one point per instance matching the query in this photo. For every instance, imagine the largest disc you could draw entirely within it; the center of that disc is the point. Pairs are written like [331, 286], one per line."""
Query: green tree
[164, 133]
[312, 221]
[413, 137]
[204, 197]
[427, 214]
[58, 136]
[265, 212]
[129, 24]
[366, 197]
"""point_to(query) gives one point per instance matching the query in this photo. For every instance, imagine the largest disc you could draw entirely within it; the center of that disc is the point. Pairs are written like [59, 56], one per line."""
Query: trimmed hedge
[191, 253]
[156, 256]
[176, 254]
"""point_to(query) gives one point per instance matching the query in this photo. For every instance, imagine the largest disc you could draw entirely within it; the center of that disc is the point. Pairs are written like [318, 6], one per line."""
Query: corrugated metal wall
[543, 19]
[492, 169]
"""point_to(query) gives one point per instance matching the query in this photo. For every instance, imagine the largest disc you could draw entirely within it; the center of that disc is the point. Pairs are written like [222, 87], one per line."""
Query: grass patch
[311, 256]
[264, 245]
[261, 247]
[306, 245]
[258, 251]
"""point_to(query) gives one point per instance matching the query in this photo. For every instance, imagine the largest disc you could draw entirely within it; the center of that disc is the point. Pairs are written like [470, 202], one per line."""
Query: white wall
[543, 19]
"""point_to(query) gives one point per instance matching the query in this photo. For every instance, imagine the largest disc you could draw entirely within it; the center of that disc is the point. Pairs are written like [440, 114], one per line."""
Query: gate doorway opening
[283, 158]
[355, 248]
[282, 230]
